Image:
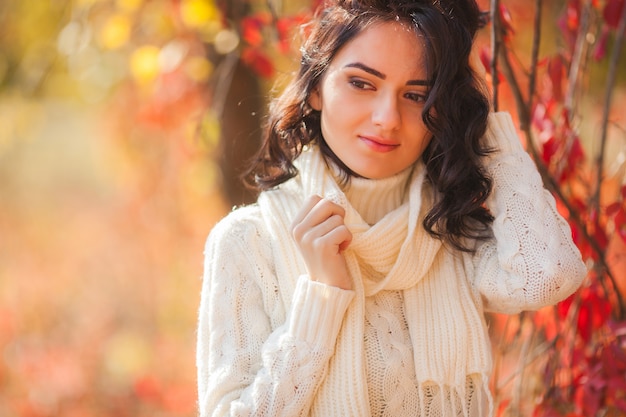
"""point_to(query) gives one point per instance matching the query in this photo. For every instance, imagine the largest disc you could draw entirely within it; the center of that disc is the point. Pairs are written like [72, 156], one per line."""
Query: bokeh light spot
[115, 32]
[144, 63]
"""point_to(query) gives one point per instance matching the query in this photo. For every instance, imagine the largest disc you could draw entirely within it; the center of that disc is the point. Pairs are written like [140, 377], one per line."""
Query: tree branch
[496, 40]
[534, 58]
[533, 67]
[520, 102]
[577, 56]
[606, 108]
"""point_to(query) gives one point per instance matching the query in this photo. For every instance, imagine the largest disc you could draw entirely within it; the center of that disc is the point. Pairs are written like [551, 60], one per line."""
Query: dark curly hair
[455, 111]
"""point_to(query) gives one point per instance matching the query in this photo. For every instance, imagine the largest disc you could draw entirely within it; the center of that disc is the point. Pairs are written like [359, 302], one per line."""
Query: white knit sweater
[271, 342]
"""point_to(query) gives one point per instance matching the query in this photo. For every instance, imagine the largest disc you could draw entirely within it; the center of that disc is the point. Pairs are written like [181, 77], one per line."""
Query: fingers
[324, 229]
[308, 205]
[317, 217]
[346, 241]
[321, 235]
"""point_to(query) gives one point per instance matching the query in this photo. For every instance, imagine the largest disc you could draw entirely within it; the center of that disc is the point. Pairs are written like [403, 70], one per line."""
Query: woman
[396, 210]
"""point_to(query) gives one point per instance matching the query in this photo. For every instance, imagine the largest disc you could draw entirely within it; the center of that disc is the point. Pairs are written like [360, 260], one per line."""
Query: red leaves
[557, 74]
[593, 309]
[547, 320]
[485, 58]
[569, 23]
[285, 27]
[262, 32]
[572, 15]
[507, 22]
[594, 313]
[585, 374]
[251, 28]
[617, 212]
[176, 399]
[620, 222]
[595, 368]
[604, 383]
[612, 12]
[561, 149]
[599, 51]
[148, 388]
[258, 61]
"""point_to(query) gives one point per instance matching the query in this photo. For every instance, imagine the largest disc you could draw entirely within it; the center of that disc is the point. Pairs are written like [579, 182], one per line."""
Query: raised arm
[252, 360]
[531, 261]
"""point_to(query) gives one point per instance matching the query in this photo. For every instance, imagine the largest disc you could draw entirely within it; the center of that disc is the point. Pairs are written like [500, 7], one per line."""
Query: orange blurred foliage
[109, 186]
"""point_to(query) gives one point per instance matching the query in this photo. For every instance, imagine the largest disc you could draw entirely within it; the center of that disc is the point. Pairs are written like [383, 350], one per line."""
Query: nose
[386, 113]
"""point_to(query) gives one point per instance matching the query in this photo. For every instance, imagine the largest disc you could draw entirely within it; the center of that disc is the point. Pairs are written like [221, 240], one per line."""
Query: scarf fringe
[470, 400]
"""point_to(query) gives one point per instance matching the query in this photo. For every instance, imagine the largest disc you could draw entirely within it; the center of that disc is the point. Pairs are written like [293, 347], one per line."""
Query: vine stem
[577, 58]
[533, 73]
[496, 37]
[535, 52]
[606, 108]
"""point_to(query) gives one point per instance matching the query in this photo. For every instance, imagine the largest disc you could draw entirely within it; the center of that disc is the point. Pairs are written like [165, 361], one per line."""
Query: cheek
[416, 125]
[335, 98]
[340, 112]
[339, 97]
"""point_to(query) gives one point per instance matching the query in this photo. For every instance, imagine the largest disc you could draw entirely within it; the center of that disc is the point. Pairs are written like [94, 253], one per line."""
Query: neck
[373, 199]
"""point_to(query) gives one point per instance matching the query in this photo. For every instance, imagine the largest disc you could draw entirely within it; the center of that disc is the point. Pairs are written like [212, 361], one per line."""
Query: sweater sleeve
[531, 261]
[248, 365]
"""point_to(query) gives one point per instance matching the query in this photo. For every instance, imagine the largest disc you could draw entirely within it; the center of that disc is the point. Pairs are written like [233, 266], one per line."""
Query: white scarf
[445, 325]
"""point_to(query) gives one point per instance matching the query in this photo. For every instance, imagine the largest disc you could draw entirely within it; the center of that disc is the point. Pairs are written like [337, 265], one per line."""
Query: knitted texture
[394, 254]
[534, 257]
[410, 339]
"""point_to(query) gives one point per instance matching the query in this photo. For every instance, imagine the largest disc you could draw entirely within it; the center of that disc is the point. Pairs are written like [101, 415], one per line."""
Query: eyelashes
[360, 84]
[418, 98]
[363, 85]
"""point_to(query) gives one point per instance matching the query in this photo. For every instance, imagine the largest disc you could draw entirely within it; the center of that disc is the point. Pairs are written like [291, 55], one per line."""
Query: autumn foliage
[573, 355]
[102, 226]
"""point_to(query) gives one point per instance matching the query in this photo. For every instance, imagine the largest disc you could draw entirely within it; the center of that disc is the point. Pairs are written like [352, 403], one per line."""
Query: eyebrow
[382, 76]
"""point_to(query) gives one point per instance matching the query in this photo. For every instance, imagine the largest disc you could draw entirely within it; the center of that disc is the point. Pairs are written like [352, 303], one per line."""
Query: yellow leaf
[197, 13]
[115, 32]
[198, 68]
[86, 3]
[129, 5]
[144, 63]
[126, 355]
[210, 129]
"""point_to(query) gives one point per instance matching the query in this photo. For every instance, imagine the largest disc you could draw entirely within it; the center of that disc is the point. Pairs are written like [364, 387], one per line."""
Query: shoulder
[238, 225]
[255, 223]
[258, 222]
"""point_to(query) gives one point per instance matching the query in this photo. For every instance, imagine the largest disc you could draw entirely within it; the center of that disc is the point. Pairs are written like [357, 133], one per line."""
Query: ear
[315, 99]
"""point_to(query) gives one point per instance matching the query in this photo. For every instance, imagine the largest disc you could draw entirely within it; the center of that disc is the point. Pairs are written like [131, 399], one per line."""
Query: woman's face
[371, 101]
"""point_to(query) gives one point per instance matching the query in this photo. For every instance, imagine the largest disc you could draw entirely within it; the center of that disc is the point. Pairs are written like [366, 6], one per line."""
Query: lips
[378, 144]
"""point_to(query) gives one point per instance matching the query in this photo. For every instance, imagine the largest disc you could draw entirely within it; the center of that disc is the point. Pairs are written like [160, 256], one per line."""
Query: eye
[416, 97]
[360, 84]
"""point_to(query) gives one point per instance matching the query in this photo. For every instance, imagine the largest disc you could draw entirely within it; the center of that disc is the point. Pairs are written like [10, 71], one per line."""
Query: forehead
[385, 45]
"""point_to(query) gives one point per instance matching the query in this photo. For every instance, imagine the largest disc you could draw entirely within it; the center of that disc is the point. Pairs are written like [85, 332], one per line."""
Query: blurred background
[123, 126]
[109, 184]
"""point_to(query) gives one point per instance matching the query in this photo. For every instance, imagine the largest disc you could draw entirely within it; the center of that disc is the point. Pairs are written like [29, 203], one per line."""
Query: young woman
[395, 210]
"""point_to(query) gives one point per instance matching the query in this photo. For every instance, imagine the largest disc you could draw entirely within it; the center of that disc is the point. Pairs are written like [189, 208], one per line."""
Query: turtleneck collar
[374, 198]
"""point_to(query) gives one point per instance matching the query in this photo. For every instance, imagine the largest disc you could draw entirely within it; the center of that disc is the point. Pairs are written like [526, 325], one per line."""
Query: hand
[322, 236]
